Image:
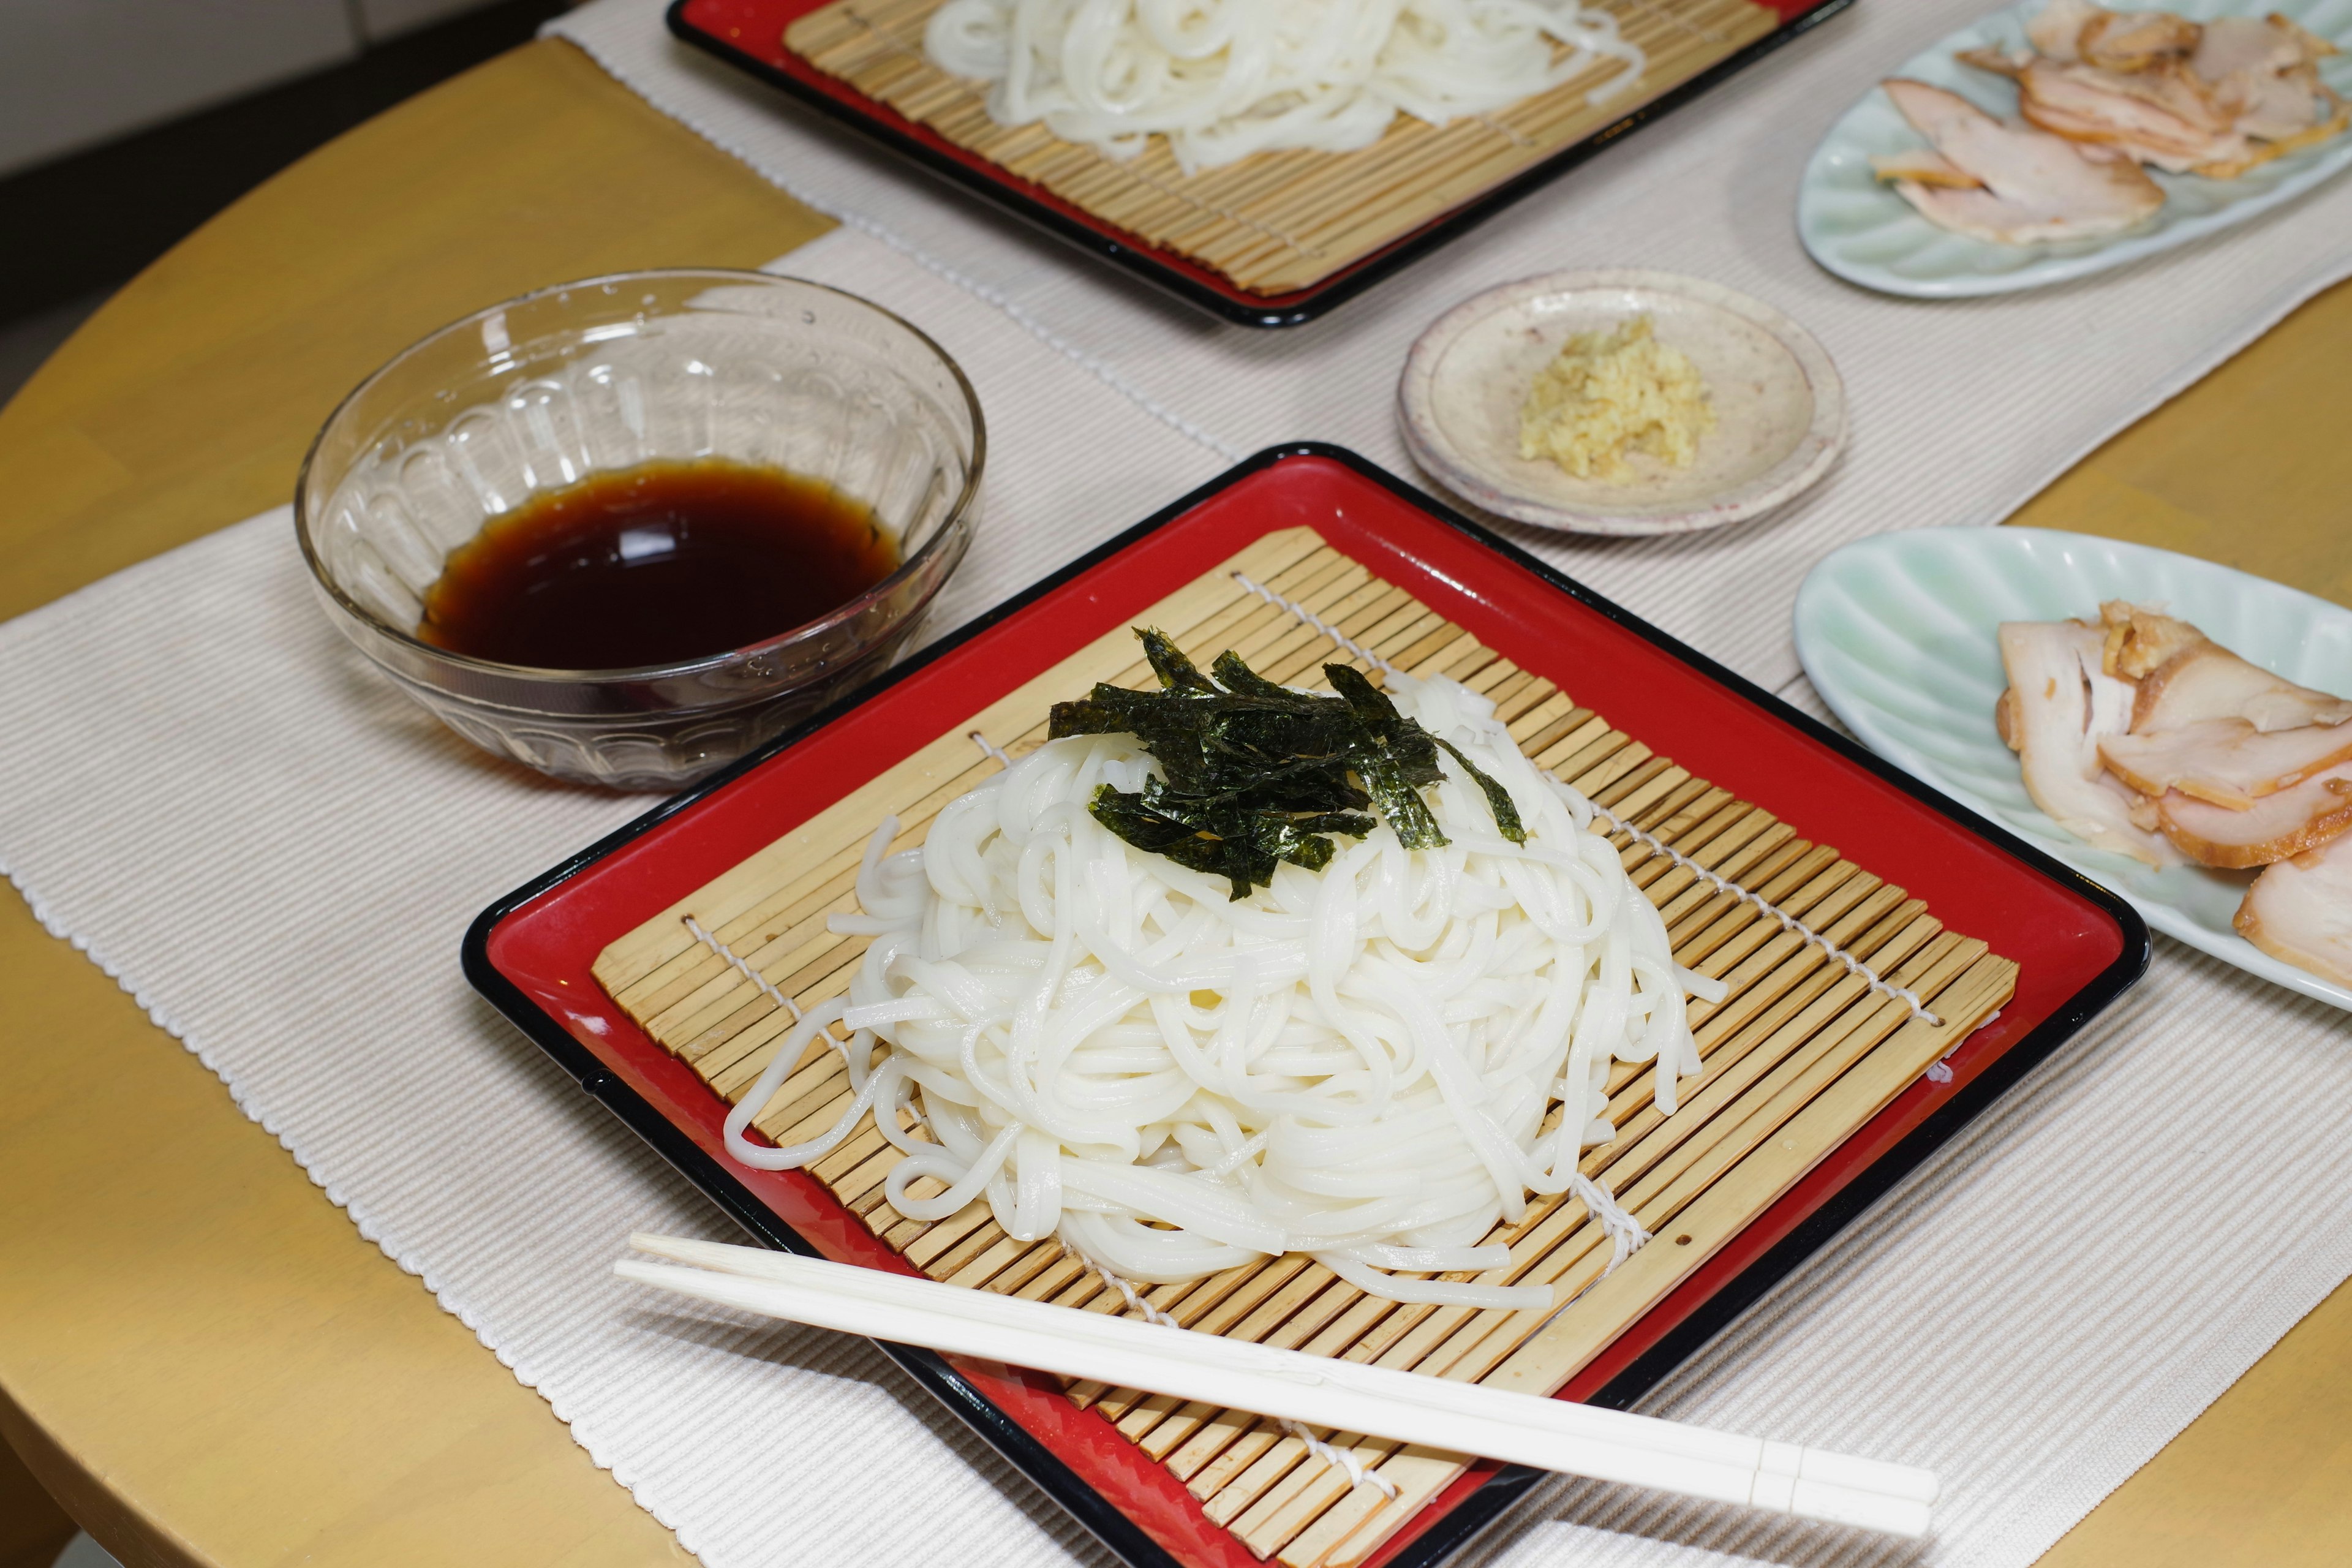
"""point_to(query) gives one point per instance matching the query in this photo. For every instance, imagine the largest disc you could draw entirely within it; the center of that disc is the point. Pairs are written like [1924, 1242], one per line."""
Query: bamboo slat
[1276, 222]
[1798, 1054]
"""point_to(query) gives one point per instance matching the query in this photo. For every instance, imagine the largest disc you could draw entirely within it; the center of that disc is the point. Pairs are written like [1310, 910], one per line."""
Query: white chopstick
[1378, 1402]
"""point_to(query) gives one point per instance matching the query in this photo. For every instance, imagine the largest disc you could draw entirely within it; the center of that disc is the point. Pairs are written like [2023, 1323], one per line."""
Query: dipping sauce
[653, 565]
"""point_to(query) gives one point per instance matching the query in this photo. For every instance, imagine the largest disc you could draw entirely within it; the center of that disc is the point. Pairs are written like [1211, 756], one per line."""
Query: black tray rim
[1096, 1514]
[1141, 262]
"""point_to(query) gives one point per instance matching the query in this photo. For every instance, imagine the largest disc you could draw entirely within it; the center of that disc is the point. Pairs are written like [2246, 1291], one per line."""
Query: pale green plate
[1860, 230]
[1898, 635]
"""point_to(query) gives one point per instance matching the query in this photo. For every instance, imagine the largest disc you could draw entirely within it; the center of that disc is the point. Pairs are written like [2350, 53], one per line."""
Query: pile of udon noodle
[1223, 79]
[1372, 1063]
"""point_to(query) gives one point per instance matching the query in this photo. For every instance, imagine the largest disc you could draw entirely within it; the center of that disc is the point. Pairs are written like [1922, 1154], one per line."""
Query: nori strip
[1255, 773]
[1498, 799]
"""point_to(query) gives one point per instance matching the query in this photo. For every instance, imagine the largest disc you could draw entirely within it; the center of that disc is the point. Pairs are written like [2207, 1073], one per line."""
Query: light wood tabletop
[199, 1356]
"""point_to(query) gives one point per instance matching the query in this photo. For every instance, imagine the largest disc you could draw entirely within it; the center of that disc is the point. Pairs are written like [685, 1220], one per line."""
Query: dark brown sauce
[667, 562]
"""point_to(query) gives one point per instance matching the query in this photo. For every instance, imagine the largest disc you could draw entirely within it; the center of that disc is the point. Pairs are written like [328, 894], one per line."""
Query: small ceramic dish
[1897, 634]
[1780, 406]
[1855, 225]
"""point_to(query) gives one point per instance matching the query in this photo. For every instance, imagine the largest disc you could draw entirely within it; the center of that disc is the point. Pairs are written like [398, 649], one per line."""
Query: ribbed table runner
[276, 854]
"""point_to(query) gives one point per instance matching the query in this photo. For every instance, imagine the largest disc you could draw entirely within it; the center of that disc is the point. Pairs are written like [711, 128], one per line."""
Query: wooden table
[198, 1354]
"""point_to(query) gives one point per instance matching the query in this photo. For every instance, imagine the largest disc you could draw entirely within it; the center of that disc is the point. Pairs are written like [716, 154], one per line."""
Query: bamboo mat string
[1626, 1235]
[1939, 1072]
[1347, 1460]
[1788, 922]
[1315, 621]
[996, 751]
[790, 1007]
[1126, 1287]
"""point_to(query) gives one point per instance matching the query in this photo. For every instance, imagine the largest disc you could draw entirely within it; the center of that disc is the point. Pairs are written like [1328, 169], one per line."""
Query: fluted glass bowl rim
[942, 537]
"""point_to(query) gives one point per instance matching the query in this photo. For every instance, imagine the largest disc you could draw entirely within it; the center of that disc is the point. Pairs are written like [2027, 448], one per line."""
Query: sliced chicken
[2160, 117]
[2036, 187]
[2216, 99]
[2265, 74]
[2225, 760]
[2262, 73]
[2137, 40]
[2056, 31]
[2230, 46]
[2300, 912]
[2141, 637]
[2071, 30]
[2315, 48]
[1925, 165]
[2061, 705]
[2208, 681]
[2274, 108]
[2340, 118]
[2275, 826]
[2000, 62]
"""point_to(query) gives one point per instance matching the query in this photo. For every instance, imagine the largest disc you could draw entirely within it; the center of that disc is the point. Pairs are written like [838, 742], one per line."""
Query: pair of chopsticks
[1348, 1397]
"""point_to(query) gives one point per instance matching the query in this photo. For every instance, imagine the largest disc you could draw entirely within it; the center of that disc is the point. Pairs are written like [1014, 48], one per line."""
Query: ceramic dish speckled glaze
[1780, 406]
[1860, 229]
[1897, 634]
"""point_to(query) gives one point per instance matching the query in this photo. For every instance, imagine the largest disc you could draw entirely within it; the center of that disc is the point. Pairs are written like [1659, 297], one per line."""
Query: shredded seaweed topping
[1254, 774]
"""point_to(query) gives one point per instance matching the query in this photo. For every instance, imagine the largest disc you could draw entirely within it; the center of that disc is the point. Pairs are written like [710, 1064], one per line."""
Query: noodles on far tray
[1338, 1045]
[1223, 79]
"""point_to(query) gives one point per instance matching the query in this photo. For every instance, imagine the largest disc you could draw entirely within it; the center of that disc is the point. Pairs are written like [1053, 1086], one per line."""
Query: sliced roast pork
[2141, 729]
[1925, 165]
[2137, 40]
[2300, 912]
[2060, 706]
[2215, 99]
[2160, 117]
[2291, 821]
[2057, 28]
[2033, 185]
[2208, 681]
[2225, 760]
[2140, 638]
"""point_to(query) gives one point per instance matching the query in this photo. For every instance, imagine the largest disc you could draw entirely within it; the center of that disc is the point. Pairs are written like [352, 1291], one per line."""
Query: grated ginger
[1612, 392]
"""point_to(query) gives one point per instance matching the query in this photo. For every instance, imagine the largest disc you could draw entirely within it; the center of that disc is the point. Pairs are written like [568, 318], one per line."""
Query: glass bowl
[608, 373]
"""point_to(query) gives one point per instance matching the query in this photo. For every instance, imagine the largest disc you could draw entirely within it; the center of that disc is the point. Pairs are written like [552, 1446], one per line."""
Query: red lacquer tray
[749, 34]
[2078, 945]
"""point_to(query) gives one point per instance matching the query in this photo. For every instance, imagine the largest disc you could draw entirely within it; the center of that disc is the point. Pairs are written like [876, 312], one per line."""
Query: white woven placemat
[203, 785]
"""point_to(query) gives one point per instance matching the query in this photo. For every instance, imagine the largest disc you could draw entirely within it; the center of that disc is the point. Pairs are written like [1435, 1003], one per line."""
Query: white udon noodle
[1225, 78]
[1357, 1063]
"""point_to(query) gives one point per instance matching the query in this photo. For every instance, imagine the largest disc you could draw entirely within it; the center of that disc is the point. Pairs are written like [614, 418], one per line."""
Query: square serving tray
[533, 952]
[749, 36]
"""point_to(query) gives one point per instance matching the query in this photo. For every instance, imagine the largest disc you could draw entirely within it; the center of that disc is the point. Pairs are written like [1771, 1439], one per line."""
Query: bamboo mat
[1275, 222]
[1797, 1056]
